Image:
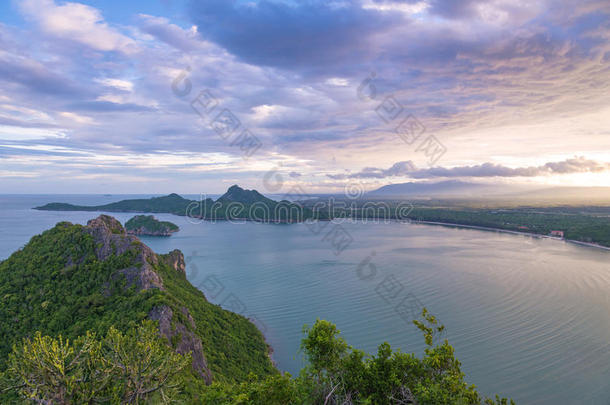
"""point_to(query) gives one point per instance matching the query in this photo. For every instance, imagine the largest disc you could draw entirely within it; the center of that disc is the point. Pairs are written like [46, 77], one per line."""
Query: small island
[148, 225]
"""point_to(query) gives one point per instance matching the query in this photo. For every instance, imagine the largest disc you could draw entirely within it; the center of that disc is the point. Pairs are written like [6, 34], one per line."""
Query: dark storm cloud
[305, 34]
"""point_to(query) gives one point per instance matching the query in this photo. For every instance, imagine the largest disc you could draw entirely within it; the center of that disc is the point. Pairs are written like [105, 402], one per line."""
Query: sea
[529, 318]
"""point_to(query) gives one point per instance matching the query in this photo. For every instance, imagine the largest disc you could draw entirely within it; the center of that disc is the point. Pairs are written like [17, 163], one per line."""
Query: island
[237, 204]
[588, 225]
[148, 225]
[170, 204]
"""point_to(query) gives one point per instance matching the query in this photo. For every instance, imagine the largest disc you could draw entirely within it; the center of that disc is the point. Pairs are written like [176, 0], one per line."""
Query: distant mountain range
[583, 195]
[236, 203]
[461, 189]
[446, 188]
[239, 203]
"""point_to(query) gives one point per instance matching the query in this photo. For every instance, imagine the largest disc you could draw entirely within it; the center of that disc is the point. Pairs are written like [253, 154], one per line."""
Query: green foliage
[323, 346]
[340, 374]
[580, 227]
[149, 224]
[274, 390]
[429, 326]
[235, 204]
[337, 373]
[56, 285]
[144, 363]
[584, 224]
[172, 203]
[57, 297]
[135, 367]
[218, 330]
[57, 370]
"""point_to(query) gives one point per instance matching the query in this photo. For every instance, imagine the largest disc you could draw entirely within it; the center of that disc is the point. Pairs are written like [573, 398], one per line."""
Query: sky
[165, 96]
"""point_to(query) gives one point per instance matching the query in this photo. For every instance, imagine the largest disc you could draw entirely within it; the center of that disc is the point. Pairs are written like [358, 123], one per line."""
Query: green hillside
[73, 279]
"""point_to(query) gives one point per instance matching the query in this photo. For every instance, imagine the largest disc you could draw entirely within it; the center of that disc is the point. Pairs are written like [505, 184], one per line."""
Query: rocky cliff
[111, 239]
[74, 279]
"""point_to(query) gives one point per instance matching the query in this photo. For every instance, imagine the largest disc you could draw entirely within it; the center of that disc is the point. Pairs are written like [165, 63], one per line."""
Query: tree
[121, 369]
[340, 374]
[143, 364]
[47, 370]
[139, 366]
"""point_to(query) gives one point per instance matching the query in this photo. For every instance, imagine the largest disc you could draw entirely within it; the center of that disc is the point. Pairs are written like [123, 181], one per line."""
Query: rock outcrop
[188, 341]
[142, 231]
[111, 239]
[175, 259]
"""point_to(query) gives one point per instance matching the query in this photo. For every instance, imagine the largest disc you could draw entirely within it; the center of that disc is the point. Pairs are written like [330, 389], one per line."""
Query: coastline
[533, 235]
[589, 244]
[286, 222]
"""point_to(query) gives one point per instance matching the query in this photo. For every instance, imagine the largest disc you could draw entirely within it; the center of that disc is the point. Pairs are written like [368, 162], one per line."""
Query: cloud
[15, 133]
[489, 11]
[80, 119]
[322, 38]
[408, 169]
[502, 81]
[397, 169]
[76, 22]
[123, 85]
[108, 106]
[568, 166]
[35, 76]
[171, 34]
[299, 34]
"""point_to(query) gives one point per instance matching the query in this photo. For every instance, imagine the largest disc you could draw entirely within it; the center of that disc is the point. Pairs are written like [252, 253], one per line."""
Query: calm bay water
[529, 318]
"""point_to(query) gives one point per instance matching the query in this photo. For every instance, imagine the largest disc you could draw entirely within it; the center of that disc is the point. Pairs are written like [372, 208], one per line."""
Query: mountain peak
[111, 239]
[107, 222]
[240, 195]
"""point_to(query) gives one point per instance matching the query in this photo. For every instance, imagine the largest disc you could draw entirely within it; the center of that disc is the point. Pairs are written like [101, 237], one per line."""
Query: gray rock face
[144, 278]
[147, 232]
[107, 222]
[189, 342]
[111, 239]
[175, 259]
